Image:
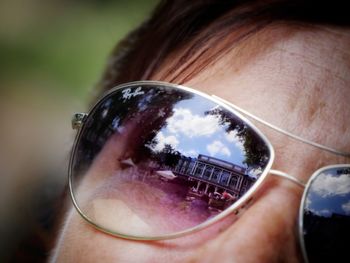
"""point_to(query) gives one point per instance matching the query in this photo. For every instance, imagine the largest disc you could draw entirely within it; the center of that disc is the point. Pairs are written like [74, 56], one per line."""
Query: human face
[277, 83]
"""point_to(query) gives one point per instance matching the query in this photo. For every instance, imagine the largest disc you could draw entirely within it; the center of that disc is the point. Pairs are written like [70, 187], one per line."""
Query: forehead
[295, 78]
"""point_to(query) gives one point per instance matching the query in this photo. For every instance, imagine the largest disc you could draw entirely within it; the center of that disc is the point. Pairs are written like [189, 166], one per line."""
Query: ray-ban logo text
[128, 93]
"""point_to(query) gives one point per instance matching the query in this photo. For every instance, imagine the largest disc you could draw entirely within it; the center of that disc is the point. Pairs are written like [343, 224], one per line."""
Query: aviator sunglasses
[154, 160]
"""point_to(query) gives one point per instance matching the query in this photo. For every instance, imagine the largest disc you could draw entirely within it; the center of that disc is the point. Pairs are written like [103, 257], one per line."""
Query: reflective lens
[155, 160]
[325, 216]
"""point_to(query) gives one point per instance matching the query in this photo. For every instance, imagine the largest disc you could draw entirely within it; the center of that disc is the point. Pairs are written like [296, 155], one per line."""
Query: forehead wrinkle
[332, 54]
[316, 91]
[320, 104]
[316, 71]
[321, 117]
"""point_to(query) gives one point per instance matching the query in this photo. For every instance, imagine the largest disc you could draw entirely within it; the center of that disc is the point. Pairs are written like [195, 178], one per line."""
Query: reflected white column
[240, 181]
[229, 179]
[198, 185]
[194, 167]
[179, 165]
[204, 168]
[220, 175]
[211, 174]
[206, 188]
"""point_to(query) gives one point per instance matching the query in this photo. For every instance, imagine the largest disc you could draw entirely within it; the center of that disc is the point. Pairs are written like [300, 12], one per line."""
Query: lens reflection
[154, 160]
[326, 216]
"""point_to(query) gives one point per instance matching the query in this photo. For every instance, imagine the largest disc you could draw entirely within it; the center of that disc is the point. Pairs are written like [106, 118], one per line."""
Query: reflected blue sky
[330, 194]
[190, 131]
[189, 123]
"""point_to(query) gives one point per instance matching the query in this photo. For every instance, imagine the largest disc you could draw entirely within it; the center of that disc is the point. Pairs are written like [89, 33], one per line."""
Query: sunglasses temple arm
[287, 176]
[296, 137]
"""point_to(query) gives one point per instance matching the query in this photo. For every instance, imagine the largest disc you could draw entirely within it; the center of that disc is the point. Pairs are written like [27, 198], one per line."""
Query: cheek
[266, 231]
[80, 242]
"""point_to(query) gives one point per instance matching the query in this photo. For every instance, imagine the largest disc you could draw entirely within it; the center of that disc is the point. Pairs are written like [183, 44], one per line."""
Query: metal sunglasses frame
[80, 118]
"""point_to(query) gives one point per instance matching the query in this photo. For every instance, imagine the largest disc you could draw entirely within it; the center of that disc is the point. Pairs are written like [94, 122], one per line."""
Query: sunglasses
[154, 160]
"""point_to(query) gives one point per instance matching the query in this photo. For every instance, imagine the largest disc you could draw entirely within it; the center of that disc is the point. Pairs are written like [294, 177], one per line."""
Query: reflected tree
[149, 113]
[139, 117]
[255, 149]
[168, 156]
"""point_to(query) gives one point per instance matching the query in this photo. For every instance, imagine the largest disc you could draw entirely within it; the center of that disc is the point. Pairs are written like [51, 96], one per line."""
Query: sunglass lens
[325, 216]
[153, 160]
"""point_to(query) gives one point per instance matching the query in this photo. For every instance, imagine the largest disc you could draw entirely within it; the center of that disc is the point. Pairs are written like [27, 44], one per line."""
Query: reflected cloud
[255, 173]
[217, 147]
[308, 202]
[323, 212]
[164, 140]
[346, 208]
[190, 153]
[327, 185]
[233, 138]
[185, 122]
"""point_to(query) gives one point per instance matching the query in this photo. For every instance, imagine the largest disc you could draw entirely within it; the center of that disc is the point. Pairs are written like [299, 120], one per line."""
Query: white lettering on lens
[344, 171]
[128, 93]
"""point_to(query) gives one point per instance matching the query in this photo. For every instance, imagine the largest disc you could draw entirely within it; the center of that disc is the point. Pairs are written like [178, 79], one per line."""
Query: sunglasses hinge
[78, 119]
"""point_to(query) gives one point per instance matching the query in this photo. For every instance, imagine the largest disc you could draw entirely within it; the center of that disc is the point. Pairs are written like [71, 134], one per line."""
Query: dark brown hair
[201, 25]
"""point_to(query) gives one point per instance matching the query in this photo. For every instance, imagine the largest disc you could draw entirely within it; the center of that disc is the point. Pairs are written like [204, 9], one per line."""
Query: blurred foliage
[62, 44]
[52, 53]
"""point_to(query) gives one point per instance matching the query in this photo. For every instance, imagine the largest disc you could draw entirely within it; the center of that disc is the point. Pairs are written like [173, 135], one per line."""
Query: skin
[300, 81]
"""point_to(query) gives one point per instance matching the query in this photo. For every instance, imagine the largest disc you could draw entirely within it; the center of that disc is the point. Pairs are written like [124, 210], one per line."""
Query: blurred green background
[52, 54]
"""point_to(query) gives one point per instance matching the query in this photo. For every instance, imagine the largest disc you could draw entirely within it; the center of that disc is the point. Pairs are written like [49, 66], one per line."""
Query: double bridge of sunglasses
[154, 160]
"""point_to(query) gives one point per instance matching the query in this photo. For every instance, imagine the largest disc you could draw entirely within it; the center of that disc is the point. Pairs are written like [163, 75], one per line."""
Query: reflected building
[214, 177]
